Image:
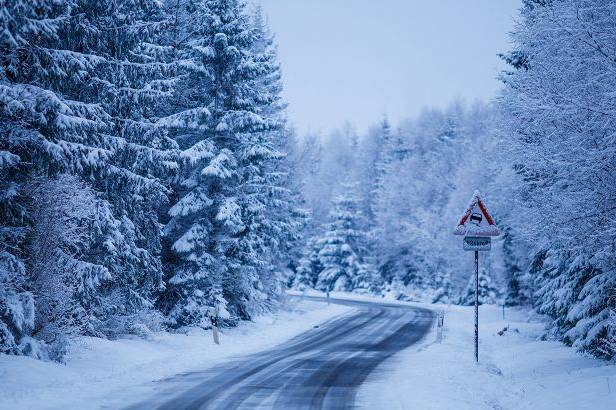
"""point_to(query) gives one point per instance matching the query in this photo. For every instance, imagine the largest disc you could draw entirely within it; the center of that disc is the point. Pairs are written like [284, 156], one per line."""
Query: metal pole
[477, 306]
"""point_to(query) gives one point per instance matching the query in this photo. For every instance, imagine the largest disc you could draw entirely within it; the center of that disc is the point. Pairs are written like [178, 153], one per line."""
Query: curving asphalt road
[319, 369]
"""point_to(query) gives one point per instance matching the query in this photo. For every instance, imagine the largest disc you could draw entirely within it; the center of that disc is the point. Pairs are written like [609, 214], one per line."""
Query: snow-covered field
[111, 374]
[516, 370]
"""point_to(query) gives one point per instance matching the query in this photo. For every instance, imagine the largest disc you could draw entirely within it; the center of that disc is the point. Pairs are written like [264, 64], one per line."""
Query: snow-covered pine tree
[41, 132]
[133, 153]
[562, 142]
[70, 85]
[442, 288]
[487, 290]
[341, 250]
[276, 220]
[309, 266]
[517, 288]
[193, 269]
[292, 211]
[227, 220]
[16, 302]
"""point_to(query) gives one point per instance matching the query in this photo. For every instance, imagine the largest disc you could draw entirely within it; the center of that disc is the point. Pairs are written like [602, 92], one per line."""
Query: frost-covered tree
[443, 288]
[383, 145]
[410, 218]
[230, 215]
[341, 253]
[66, 287]
[309, 267]
[488, 292]
[557, 118]
[76, 98]
[16, 302]
[517, 281]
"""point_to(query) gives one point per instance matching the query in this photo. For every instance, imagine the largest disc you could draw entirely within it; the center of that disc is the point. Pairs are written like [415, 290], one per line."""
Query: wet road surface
[319, 369]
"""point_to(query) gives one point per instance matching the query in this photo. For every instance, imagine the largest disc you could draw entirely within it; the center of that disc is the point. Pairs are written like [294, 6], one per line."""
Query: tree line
[143, 168]
[543, 153]
[147, 174]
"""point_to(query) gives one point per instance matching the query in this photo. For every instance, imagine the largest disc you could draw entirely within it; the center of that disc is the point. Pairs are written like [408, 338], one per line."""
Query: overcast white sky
[356, 60]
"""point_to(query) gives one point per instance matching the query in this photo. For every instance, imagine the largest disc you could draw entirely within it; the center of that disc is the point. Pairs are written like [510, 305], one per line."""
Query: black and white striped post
[477, 306]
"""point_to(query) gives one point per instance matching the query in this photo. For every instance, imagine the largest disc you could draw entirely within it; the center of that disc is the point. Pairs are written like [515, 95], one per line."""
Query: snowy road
[319, 369]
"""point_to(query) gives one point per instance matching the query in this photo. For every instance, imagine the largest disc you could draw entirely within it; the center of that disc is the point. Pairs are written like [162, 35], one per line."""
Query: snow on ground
[110, 374]
[516, 370]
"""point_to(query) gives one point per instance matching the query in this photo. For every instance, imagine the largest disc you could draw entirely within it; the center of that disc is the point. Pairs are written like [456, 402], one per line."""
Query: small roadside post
[439, 326]
[214, 321]
[477, 227]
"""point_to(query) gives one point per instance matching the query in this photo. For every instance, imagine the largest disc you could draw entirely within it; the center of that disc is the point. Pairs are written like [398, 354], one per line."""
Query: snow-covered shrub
[66, 287]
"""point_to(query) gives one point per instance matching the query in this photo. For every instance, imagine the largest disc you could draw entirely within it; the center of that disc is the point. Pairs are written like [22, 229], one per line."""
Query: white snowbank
[516, 370]
[102, 373]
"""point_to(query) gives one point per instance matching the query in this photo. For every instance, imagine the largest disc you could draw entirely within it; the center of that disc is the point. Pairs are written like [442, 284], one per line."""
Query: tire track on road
[319, 369]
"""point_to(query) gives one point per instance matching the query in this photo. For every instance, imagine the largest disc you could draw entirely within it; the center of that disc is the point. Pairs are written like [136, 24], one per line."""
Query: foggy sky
[357, 60]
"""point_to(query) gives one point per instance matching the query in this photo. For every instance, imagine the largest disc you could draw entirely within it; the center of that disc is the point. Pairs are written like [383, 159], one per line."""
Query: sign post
[476, 306]
[477, 227]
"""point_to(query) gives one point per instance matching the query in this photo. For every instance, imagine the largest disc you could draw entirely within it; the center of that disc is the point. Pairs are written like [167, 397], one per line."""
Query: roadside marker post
[439, 326]
[214, 321]
[477, 227]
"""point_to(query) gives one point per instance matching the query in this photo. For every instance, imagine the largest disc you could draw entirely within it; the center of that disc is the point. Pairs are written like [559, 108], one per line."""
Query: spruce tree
[229, 218]
[517, 292]
[487, 290]
[551, 113]
[77, 93]
[133, 153]
[309, 267]
[443, 287]
[341, 254]
[35, 120]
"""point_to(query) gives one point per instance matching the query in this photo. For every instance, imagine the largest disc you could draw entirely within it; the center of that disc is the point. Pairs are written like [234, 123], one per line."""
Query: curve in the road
[319, 369]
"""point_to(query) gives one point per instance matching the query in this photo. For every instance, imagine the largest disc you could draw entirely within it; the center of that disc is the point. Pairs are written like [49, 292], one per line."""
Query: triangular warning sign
[476, 220]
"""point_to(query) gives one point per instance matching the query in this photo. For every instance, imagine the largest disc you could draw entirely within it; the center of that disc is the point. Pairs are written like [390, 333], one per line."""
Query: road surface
[319, 369]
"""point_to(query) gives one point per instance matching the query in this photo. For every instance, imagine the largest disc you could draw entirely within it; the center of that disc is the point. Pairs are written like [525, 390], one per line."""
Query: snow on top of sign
[476, 221]
[473, 230]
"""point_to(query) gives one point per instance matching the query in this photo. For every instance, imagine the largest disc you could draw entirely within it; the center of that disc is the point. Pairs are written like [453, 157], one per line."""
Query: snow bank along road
[319, 369]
